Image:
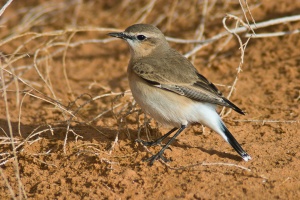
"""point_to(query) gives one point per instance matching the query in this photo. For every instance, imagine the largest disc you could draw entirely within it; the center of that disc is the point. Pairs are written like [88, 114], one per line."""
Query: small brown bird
[168, 87]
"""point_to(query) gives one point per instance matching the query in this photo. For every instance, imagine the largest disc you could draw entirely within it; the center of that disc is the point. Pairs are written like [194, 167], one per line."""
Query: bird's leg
[158, 141]
[160, 153]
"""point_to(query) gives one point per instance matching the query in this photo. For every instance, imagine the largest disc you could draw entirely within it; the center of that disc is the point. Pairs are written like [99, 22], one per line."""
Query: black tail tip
[246, 157]
[236, 146]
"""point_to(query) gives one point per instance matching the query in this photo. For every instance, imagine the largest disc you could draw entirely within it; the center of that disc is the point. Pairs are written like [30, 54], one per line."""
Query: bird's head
[143, 39]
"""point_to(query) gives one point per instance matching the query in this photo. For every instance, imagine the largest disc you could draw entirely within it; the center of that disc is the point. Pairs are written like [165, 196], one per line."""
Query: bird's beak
[118, 35]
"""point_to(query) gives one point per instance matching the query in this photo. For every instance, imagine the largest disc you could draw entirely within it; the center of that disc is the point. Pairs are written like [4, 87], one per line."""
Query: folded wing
[197, 87]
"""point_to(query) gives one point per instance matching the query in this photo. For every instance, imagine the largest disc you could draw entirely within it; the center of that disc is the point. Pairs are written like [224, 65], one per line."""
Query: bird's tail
[232, 141]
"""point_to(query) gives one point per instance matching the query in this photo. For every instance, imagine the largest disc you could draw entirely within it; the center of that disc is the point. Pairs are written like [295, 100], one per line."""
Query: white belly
[172, 109]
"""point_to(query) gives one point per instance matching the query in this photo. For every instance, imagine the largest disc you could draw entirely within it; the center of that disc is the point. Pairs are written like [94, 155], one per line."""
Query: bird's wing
[195, 87]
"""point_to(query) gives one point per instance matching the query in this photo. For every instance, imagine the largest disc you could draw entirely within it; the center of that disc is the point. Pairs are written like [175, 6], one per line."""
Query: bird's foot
[156, 157]
[149, 144]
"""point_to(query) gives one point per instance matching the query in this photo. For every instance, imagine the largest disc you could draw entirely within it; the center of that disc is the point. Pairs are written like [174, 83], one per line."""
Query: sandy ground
[71, 146]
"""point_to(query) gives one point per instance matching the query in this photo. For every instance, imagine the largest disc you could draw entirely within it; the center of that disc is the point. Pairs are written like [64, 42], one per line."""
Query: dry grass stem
[276, 34]
[8, 118]
[268, 121]
[237, 30]
[5, 6]
[242, 48]
[208, 164]
[10, 189]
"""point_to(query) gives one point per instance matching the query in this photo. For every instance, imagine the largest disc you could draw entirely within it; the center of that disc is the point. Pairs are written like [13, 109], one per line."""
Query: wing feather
[197, 87]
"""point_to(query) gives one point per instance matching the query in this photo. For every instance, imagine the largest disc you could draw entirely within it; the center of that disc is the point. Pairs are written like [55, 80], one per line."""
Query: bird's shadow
[209, 151]
[220, 154]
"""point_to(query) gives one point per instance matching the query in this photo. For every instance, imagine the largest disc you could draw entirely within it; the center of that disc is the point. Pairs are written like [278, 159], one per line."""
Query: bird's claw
[156, 157]
[149, 144]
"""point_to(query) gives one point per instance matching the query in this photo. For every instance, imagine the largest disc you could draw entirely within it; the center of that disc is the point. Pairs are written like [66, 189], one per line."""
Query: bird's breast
[164, 106]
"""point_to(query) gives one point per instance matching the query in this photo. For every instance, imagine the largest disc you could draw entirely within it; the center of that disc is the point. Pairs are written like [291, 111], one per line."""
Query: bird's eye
[141, 37]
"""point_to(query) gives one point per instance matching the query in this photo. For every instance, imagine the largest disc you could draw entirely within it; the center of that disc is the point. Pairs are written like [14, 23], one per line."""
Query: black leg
[160, 153]
[158, 141]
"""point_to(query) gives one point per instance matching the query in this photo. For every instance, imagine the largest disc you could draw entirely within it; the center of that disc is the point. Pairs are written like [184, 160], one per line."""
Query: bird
[167, 86]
